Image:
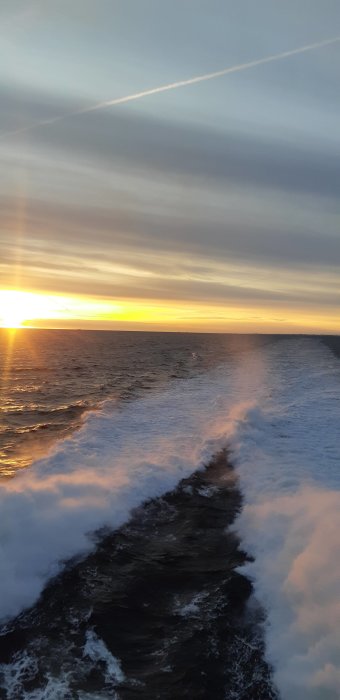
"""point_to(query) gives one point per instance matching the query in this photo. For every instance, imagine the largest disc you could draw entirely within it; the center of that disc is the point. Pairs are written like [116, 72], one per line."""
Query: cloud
[117, 101]
[113, 139]
[259, 235]
[129, 189]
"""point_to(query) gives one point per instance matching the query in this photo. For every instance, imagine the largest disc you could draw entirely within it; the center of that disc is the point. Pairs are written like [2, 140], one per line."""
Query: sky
[213, 206]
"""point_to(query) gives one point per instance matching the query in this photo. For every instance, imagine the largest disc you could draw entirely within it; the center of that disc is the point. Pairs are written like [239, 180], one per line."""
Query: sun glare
[20, 309]
[12, 309]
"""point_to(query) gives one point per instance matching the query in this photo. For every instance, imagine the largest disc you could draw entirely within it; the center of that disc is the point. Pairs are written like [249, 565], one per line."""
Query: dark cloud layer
[115, 136]
[48, 225]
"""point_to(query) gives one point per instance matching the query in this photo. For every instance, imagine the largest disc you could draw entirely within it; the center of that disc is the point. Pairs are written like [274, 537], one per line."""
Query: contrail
[178, 84]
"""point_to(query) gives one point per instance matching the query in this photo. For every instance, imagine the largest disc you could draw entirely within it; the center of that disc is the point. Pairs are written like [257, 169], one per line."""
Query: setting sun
[13, 308]
[20, 308]
[24, 309]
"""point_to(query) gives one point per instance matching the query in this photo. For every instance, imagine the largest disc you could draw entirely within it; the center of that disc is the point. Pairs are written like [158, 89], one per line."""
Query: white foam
[287, 450]
[192, 608]
[23, 669]
[118, 459]
[97, 651]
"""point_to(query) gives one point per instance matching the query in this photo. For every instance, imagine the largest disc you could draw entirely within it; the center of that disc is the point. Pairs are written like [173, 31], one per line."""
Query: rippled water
[49, 378]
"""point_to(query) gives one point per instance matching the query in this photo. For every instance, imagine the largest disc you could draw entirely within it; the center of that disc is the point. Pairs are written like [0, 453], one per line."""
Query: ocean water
[170, 516]
[49, 379]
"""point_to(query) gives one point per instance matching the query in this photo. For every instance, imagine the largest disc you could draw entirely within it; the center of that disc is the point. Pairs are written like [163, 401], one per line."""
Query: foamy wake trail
[287, 450]
[120, 458]
[278, 409]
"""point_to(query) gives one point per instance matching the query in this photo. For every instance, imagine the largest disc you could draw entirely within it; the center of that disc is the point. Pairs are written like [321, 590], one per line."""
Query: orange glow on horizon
[22, 309]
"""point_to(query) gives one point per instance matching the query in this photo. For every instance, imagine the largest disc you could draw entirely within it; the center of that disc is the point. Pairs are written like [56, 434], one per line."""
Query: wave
[119, 458]
[277, 409]
[287, 454]
[40, 369]
[36, 409]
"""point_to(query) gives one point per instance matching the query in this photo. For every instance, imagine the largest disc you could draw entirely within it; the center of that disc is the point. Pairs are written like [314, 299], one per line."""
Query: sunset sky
[212, 206]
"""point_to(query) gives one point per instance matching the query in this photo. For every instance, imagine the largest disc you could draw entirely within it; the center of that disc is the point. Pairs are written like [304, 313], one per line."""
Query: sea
[170, 516]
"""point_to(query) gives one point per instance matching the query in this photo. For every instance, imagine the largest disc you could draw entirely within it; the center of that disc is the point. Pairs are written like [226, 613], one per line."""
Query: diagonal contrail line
[178, 84]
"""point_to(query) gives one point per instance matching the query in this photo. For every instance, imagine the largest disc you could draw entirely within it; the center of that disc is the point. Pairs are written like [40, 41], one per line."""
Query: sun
[19, 309]
[24, 309]
[13, 310]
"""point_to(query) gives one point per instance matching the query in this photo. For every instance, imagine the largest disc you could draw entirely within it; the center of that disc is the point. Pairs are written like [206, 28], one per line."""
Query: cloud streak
[178, 84]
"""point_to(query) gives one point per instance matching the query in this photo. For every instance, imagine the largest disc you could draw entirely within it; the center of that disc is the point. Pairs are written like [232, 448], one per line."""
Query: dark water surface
[163, 596]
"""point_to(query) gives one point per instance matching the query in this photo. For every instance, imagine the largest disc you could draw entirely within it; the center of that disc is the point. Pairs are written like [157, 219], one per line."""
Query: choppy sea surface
[170, 516]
